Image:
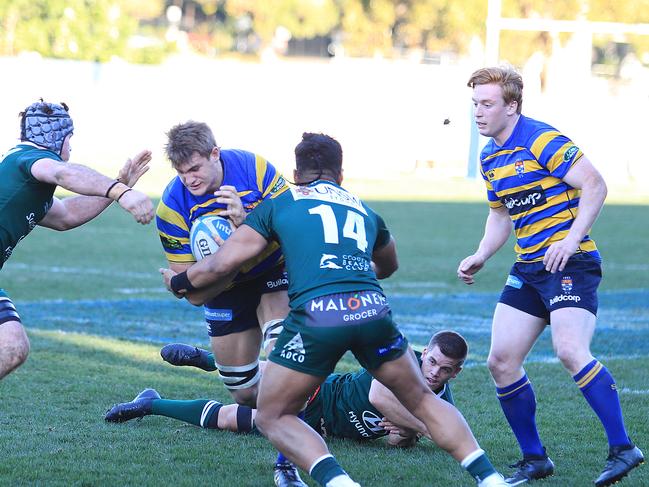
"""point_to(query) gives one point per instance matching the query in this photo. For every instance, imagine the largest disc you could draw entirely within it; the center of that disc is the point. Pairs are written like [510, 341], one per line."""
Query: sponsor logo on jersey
[278, 185]
[519, 166]
[524, 200]
[369, 422]
[335, 310]
[212, 314]
[513, 281]
[327, 262]
[564, 297]
[294, 349]
[570, 153]
[566, 284]
[282, 281]
[356, 263]
[170, 243]
[329, 193]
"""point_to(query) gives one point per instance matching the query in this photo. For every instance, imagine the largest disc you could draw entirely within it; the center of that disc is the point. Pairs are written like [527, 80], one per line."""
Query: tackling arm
[86, 181]
[219, 268]
[385, 260]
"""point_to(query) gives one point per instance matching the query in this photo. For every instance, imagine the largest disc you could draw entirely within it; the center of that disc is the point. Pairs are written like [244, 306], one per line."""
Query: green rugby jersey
[342, 408]
[24, 200]
[327, 236]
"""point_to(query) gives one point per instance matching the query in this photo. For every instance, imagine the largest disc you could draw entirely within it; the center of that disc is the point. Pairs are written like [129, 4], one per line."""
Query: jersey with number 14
[327, 236]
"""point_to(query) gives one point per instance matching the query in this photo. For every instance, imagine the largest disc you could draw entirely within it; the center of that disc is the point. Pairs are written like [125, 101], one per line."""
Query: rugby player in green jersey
[29, 175]
[335, 248]
[352, 405]
[540, 184]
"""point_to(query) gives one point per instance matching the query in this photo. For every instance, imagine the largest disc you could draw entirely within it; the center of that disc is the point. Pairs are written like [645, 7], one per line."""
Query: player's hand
[133, 169]
[557, 255]
[469, 267]
[167, 274]
[392, 428]
[227, 195]
[137, 204]
[400, 441]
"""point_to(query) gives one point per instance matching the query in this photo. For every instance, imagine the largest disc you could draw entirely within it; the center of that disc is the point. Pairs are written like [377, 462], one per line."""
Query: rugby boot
[494, 480]
[181, 354]
[621, 460]
[285, 474]
[137, 408]
[530, 468]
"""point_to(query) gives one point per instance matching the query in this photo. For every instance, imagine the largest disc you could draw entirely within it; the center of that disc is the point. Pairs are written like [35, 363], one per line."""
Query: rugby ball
[201, 234]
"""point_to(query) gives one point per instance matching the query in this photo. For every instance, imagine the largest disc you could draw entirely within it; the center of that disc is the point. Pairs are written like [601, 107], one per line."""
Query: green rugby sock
[187, 411]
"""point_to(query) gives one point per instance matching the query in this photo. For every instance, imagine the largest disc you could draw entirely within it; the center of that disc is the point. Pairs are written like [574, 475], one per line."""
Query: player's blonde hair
[506, 77]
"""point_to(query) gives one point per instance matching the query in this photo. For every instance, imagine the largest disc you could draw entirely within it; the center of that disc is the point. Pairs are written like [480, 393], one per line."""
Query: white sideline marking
[640, 392]
[78, 270]
[626, 267]
[140, 290]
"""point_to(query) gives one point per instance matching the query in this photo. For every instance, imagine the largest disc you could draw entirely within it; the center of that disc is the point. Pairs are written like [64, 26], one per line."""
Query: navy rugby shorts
[532, 289]
[235, 309]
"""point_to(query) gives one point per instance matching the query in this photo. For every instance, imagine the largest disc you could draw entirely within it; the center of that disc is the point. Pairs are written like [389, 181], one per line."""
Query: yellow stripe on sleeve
[542, 141]
[260, 166]
[171, 216]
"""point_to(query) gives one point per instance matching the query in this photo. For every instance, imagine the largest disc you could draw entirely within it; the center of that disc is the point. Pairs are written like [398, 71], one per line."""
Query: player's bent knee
[500, 364]
[241, 381]
[271, 330]
[14, 346]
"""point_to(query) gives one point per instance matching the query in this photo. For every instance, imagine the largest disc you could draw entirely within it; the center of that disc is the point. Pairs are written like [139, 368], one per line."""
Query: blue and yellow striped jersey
[525, 175]
[255, 180]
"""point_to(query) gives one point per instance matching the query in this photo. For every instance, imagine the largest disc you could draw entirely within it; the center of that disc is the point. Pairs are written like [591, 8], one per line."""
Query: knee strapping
[271, 330]
[8, 311]
[239, 376]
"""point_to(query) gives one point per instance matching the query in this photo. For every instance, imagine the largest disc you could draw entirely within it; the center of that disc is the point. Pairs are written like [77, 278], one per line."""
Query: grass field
[97, 314]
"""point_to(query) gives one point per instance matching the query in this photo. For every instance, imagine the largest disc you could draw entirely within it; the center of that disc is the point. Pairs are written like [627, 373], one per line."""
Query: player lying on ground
[352, 405]
[335, 248]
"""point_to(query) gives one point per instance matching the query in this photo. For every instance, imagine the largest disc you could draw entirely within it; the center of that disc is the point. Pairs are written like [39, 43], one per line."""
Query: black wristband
[125, 191]
[181, 282]
[110, 187]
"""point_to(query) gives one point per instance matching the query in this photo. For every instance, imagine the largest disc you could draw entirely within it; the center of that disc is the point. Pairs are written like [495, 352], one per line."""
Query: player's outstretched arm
[200, 296]
[244, 244]
[497, 230]
[86, 181]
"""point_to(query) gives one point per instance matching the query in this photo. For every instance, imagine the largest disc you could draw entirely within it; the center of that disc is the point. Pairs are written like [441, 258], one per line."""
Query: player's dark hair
[507, 77]
[451, 344]
[316, 156]
[185, 139]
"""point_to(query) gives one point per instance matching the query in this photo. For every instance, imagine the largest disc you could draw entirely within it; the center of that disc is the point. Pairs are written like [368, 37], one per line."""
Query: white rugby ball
[202, 231]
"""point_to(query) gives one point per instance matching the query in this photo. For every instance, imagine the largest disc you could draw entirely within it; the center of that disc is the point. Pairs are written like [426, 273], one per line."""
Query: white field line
[79, 270]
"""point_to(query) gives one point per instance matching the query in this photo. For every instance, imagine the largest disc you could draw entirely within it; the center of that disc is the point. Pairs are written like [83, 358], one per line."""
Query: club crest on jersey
[491, 175]
[519, 166]
[327, 262]
[566, 284]
[570, 153]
